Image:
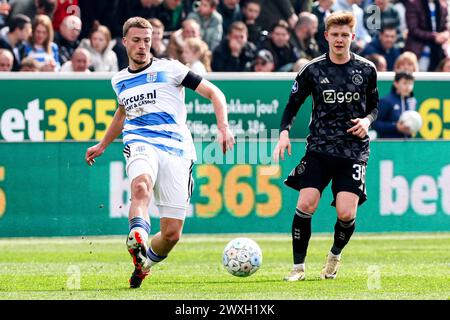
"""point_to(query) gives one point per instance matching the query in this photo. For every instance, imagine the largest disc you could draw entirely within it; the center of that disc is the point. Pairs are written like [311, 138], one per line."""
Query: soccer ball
[242, 257]
[412, 119]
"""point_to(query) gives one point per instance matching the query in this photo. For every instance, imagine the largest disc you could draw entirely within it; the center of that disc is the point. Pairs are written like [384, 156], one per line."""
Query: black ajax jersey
[340, 92]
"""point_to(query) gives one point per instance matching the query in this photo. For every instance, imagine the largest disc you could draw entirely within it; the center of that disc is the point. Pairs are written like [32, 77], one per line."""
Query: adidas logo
[324, 80]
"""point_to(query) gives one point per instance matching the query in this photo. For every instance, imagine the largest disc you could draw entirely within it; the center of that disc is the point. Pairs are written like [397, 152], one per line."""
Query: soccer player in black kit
[344, 91]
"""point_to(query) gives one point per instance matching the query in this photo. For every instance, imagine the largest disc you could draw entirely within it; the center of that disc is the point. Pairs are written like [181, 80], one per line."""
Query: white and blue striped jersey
[153, 98]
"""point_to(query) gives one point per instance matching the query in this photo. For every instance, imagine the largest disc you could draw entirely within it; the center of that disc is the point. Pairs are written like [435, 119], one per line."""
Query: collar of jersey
[352, 57]
[141, 69]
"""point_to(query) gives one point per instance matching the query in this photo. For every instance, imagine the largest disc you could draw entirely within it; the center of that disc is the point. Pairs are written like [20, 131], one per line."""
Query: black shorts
[316, 170]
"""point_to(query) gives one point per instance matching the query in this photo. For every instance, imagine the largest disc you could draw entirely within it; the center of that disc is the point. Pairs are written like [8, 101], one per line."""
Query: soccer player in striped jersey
[344, 92]
[158, 146]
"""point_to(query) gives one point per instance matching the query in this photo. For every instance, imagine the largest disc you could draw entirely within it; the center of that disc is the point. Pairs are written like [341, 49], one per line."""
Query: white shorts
[171, 176]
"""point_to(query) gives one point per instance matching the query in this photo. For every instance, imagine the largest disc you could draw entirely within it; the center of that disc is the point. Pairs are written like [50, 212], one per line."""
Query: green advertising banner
[46, 189]
[79, 107]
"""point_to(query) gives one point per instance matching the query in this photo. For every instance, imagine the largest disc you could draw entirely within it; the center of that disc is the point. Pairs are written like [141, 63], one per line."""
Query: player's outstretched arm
[216, 96]
[283, 143]
[114, 130]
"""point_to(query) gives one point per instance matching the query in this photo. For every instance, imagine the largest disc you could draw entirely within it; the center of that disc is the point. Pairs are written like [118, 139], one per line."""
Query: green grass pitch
[374, 266]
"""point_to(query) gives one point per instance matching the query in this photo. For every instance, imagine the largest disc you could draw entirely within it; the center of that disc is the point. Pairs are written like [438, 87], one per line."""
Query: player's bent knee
[171, 236]
[346, 214]
[308, 206]
[140, 188]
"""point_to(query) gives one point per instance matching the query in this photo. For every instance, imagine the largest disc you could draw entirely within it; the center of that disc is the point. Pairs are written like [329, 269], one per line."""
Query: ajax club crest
[357, 79]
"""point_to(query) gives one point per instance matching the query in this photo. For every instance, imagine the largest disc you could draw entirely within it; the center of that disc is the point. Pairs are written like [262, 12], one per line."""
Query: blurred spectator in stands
[98, 12]
[407, 61]
[230, 12]
[210, 21]
[6, 60]
[67, 37]
[389, 16]
[444, 65]
[284, 53]
[234, 53]
[399, 5]
[159, 48]
[19, 30]
[29, 64]
[41, 46]
[31, 8]
[384, 44]
[250, 13]
[63, 9]
[427, 31]
[362, 36]
[121, 53]
[391, 106]
[302, 5]
[264, 61]
[304, 33]
[276, 10]
[5, 9]
[133, 8]
[190, 29]
[80, 62]
[197, 56]
[126, 9]
[99, 45]
[299, 64]
[171, 13]
[322, 9]
[379, 61]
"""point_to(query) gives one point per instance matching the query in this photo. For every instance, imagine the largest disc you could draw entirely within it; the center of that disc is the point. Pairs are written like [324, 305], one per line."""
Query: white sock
[335, 255]
[300, 266]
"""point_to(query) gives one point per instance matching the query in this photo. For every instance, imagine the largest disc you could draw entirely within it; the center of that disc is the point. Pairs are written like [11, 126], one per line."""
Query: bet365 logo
[331, 96]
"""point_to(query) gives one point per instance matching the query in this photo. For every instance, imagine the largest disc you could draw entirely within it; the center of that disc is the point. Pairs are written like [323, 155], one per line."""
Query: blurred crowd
[220, 35]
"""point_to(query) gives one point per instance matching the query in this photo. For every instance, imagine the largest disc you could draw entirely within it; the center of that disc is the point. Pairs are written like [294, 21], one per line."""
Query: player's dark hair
[136, 22]
[18, 22]
[403, 75]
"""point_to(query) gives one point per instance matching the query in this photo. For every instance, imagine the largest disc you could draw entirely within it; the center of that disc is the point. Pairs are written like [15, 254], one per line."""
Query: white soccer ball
[242, 257]
[412, 119]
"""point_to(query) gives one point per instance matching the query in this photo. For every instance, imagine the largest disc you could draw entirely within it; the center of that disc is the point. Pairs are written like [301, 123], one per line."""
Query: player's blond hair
[340, 18]
[136, 22]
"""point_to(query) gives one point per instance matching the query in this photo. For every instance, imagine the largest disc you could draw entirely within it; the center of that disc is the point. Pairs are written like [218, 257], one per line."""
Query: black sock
[343, 230]
[301, 233]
